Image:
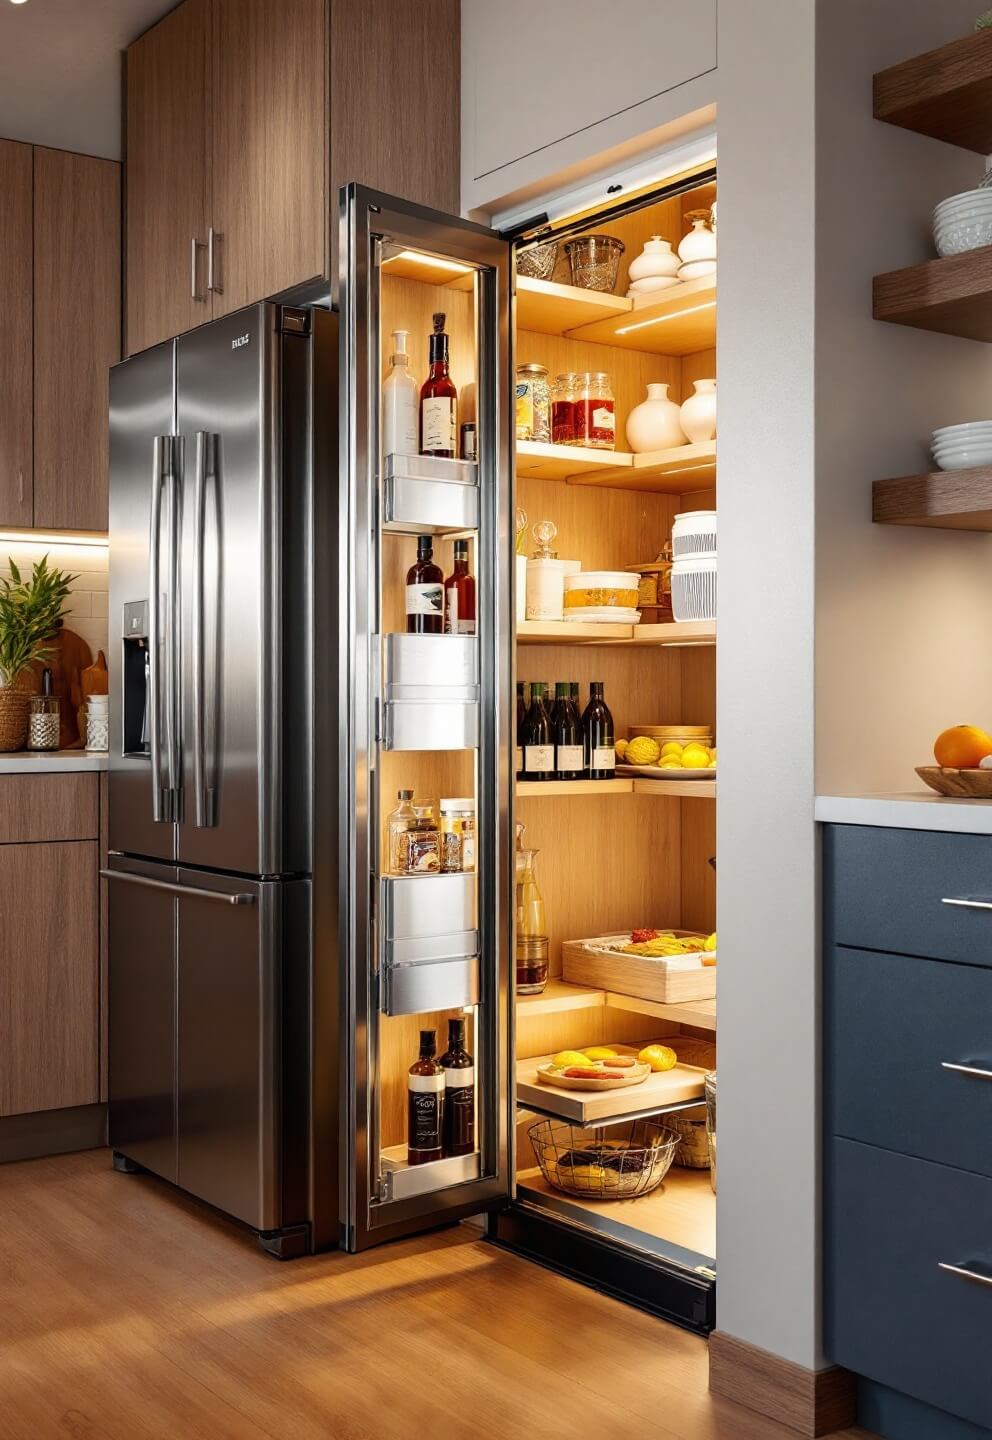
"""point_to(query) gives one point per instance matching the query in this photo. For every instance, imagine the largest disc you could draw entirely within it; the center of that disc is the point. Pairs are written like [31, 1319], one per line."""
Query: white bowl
[653, 282]
[965, 462]
[954, 212]
[962, 437]
[964, 442]
[963, 425]
[964, 197]
[973, 235]
[969, 447]
[696, 269]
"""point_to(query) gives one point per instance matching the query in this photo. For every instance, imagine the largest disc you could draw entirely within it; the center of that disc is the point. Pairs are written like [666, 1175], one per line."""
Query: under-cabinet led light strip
[35, 539]
[430, 262]
[661, 319]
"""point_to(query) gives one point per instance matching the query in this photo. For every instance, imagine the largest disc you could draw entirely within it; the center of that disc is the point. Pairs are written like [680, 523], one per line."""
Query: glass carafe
[532, 928]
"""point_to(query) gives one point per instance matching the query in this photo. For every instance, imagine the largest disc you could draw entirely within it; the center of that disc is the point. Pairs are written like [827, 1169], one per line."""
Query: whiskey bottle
[425, 1109]
[459, 1093]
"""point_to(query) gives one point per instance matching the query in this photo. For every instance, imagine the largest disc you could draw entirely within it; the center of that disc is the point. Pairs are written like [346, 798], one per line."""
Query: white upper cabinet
[537, 75]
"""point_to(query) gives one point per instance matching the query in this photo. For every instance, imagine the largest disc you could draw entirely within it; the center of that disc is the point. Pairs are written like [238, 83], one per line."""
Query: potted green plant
[30, 613]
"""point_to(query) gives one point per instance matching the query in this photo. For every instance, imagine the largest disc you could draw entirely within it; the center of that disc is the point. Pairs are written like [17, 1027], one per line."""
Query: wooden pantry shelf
[680, 1086]
[570, 632]
[560, 997]
[540, 461]
[681, 321]
[661, 472]
[552, 309]
[699, 1013]
[944, 500]
[547, 788]
[692, 633]
[946, 93]
[952, 295]
[677, 789]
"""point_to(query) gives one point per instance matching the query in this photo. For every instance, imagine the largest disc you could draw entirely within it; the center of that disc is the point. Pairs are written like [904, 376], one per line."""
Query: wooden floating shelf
[944, 500]
[573, 787]
[662, 472]
[680, 633]
[540, 461]
[559, 997]
[701, 1014]
[681, 321]
[553, 309]
[946, 93]
[676, 789]
[952, 295]
[683, 633]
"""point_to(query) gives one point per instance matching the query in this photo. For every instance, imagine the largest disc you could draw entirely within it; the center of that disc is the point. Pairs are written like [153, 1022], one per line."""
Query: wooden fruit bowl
[958, 784]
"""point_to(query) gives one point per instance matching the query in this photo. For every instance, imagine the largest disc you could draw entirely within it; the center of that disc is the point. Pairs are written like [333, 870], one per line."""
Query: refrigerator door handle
[163, 476]
[173, 698]
[189, 891]
[203, 796]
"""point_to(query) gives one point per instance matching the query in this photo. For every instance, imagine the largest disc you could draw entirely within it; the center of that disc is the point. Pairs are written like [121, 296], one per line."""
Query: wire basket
[618, 1162]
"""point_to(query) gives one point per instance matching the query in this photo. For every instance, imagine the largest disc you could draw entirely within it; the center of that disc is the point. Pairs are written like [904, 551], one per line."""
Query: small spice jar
[423, 843]
[533, 403]
[44, 717]
[457, 836]
[595, 411]
[563, 410]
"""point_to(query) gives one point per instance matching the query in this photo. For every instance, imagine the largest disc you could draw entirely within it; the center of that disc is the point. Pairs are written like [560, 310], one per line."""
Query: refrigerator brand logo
[241, 340]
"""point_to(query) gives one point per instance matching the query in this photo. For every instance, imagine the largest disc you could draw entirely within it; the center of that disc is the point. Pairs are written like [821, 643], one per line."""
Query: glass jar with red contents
[595, 411]
[563, 410]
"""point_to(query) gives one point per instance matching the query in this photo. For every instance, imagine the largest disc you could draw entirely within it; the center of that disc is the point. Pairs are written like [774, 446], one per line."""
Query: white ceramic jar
[699, 244]
[654, 424]
[698, 414]
[657, 258]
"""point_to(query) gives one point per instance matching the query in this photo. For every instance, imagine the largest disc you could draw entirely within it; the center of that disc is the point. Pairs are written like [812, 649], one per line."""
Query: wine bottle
[459, 595]
[425, 592]
[459, 1093]
[425, 1111]
[566, 735]
[597, 736]
[438, 399]
[521, 719]
[400, 393]
[539, 750]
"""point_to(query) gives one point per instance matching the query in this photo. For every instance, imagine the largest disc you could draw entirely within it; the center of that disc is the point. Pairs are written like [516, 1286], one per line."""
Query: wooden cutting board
[584, 1107]
[70, 657]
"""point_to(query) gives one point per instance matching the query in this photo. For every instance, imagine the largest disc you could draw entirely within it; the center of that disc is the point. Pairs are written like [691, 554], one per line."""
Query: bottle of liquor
[438, 400]
[425, 1112]
[597, 736]
[459, 595]
[459, 1093]
[521, 719]
[425, 592]
[539, 750]
[566, 735]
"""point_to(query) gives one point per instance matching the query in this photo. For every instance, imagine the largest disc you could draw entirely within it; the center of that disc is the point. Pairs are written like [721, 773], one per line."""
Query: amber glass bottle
[425, 592]
[438, 400]
[459, 1093]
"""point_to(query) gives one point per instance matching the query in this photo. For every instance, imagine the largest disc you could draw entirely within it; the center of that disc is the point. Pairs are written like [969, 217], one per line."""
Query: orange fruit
[659, 1057]
[963, 747]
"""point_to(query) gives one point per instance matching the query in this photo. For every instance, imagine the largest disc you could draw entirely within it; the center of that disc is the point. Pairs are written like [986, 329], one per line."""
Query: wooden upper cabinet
[168, 167]
[269, 73]
[77, 334]
[16, 283]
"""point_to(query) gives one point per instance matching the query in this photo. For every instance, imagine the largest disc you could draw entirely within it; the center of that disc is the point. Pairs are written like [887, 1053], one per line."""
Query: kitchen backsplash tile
[86, 612]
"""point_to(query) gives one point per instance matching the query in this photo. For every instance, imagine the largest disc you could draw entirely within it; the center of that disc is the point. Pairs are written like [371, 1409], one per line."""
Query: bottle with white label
[539, 749]
[425, 592]
[459, 1092]
[439, 400]
[425, 1107]
[400, 393]
[597, 736]
[566, 734]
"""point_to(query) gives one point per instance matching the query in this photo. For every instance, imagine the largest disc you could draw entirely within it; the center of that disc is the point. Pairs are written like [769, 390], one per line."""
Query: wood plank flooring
[129, 1313]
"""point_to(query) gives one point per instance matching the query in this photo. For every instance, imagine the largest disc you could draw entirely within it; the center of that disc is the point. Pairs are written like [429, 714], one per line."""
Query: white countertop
[914, 810]
[52, 762]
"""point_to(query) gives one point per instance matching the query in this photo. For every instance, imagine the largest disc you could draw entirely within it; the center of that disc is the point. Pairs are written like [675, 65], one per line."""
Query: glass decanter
[532, 925]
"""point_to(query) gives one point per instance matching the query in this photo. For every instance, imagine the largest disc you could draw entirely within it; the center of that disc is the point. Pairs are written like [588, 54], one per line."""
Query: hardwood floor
[129, 1312]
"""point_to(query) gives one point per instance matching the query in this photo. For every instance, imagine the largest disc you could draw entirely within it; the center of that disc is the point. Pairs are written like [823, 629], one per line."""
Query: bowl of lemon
[660, 759]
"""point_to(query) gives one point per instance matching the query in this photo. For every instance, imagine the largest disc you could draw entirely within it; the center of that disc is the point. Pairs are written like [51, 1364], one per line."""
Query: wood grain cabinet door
[77, 334]
[269, 151]
[16, 284]
[49, 976]
[168, 165]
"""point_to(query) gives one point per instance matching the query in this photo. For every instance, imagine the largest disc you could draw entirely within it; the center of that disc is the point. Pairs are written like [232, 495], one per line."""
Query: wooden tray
[959, 784]
[585, 964]
[683, 1083]
[635, 1075]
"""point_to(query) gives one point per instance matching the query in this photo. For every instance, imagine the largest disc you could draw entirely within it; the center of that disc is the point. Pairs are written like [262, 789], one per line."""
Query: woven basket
[693, 1151]
[14, 705]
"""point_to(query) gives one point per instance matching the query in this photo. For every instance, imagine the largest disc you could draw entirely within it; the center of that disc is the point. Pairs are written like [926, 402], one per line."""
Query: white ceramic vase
[657, 258]
[654, 424]
[699, 244]
[698, 414]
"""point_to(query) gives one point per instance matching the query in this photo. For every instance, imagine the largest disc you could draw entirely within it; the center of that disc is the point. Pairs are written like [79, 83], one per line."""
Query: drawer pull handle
[962, 1069]
[967, 902]
[967, 1272]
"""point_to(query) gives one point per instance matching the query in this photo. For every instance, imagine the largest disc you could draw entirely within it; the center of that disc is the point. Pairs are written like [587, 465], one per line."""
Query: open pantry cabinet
[433, 714]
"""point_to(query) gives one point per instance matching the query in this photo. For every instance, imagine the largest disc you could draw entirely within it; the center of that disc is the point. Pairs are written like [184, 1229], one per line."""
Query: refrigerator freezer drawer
[413, 988]
[430, 725]
[442, 667]
[401, 1181]
[422, 496]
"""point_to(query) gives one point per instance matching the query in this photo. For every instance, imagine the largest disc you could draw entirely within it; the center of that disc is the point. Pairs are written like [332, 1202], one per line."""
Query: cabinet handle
[212, 283]
[963, 1069]
[189, 892]
[20, 487]
[966, 1272]
[195, 247]
[967, 902]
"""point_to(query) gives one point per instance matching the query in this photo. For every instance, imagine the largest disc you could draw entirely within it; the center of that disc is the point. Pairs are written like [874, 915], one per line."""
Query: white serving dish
[654, 772]
[955, 447]
[964, 200]
[653, 282]
[958, 239]
[611, 614]
[965, 459]
[967, 427]
[696, 269]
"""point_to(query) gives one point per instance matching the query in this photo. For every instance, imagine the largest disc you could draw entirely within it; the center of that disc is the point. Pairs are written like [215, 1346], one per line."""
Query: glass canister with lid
[563, 409]
[533, 397]
[595, 411]
[458, 836]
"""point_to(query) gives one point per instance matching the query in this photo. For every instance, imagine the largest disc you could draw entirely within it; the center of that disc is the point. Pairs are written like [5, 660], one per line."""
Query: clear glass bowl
[539, 261]
[594, 261]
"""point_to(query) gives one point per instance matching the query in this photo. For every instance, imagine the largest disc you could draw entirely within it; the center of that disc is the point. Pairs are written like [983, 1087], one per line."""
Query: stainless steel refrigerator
[216, 439]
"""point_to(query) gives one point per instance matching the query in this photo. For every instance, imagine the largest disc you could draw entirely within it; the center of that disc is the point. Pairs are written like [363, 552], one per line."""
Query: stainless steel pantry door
[228, 423]
[408, 951]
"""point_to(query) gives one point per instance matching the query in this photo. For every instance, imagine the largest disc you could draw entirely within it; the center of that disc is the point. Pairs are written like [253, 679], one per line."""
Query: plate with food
[577, 1070]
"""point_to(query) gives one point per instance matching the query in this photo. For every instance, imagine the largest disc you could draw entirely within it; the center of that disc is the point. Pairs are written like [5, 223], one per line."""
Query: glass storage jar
[563, 410]
[423, 843]
[595, 411]
[457, 836]
[533, 403]
[44, 718]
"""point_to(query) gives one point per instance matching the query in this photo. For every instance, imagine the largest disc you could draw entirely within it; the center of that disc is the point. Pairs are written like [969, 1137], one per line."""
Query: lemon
[671, 762]
[710, 943]
[713, 756]
[671, 747]
[642, 751]
[659, 1057]
[694, 757]
[600, 1052]
[570, 1057]
[621, 748]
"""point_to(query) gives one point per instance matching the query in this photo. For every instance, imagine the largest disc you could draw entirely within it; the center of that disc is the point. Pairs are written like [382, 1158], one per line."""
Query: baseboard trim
[810, 1402]
[52, 1132]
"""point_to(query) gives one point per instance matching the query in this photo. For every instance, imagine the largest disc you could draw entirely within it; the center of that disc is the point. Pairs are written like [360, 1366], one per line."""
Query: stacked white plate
[963, 222]
[962, 447]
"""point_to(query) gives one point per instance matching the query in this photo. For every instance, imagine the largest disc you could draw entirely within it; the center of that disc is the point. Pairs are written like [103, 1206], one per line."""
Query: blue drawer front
[891, 1023]
[891, 1313]
[887, 889]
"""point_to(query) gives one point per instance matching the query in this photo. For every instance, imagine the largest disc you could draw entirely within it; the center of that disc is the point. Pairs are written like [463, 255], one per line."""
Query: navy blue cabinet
[908, 1126]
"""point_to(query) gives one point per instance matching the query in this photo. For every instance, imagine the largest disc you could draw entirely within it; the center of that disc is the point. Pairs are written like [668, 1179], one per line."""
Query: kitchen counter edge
[52, 762]
[914, 810]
